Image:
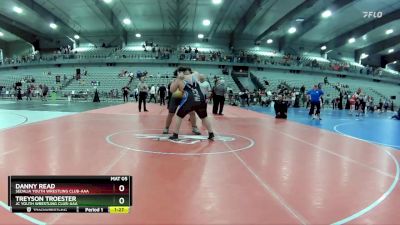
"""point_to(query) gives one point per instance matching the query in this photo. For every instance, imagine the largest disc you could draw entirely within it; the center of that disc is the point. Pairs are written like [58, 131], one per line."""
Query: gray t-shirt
[220, 90]
[142, 87]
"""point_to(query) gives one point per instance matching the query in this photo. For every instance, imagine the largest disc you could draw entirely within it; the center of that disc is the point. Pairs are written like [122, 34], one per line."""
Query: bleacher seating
[240, 56]
[157, 75]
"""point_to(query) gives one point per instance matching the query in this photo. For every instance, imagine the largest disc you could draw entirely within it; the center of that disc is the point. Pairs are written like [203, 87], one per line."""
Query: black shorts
[201, 110]
[173, 104]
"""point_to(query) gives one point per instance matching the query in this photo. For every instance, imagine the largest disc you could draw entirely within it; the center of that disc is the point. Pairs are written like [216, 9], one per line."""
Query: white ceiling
[376, 35]
[348, 18]
[273, 13]
[7, 36]
[154, 17]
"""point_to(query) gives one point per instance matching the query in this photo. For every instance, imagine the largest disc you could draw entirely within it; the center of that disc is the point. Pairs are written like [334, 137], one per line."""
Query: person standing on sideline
[19, 93]
[125, 92]
[230, 95]
[143, 91]
[157, 88]
[45, 91]
[29, 93]
[162, 91]
[136, 94]
[153, 94]
[354, 101]
[315, 100]
[204, 86]
[219, 97]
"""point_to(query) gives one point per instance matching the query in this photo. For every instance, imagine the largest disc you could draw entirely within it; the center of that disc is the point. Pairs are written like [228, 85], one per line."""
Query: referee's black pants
[313, 104]
[142, 99]
[162, 99]
[219, 102]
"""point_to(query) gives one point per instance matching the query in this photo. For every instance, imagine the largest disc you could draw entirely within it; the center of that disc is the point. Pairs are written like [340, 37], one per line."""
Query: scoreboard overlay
[70, 194]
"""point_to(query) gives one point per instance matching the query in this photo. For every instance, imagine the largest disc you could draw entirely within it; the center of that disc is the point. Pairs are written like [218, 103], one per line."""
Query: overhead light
[391, 50]
[201, 36]
[323, 47]
[206, 22]
[1, 34]
[326, 14]
[363, 56]
[53, 26]
[352, 40]
[394, 62]
[76, 36]
[216, 2]
[389, 31]
[17, 9]
[364, 37]
[107, 1]
[126, 21]
[292, 30]
[269, 41]
[299, 20]
[138, 35]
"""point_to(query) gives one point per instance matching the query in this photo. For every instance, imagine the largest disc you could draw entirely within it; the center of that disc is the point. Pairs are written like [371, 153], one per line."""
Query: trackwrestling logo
[184, 139]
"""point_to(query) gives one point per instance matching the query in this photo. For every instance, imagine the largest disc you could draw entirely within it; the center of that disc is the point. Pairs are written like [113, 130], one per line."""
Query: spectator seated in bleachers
[265, 101]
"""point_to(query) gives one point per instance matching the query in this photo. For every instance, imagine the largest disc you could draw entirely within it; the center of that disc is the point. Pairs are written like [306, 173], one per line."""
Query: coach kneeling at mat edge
[281, 107]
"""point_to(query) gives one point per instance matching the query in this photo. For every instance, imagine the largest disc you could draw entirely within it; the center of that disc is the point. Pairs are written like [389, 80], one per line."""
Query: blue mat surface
[376, 128]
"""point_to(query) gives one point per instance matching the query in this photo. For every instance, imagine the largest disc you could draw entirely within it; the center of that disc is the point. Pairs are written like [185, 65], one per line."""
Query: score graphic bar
[70, 194]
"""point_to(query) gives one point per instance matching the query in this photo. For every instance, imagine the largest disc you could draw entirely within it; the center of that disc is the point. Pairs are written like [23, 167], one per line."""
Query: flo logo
[373, 14]
[184, 139]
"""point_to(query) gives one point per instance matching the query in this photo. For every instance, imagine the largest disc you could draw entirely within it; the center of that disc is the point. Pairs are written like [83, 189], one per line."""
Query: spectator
[243, 97]
[125, 91]
[386, 105]
[391, 106]
[230, 95]
[153, 94]
[45, 91]
[162, 91]
[28, 93]
[397, 117]
[303, 89]
[136, 94]
[19, 93]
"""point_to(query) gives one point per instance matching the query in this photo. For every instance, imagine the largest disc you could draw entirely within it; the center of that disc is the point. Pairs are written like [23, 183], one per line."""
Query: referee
[143, 91]
[315, 99]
